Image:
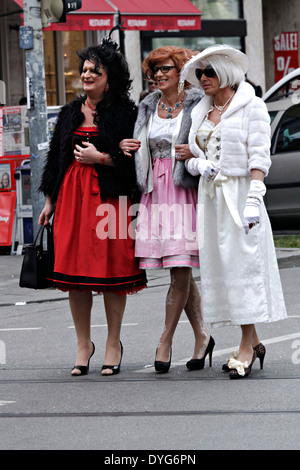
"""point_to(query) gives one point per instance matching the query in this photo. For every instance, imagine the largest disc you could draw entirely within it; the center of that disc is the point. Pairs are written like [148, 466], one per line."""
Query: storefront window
[218, 9]
[72, 42]
[50, 68]
[196, 44]
[60, 55]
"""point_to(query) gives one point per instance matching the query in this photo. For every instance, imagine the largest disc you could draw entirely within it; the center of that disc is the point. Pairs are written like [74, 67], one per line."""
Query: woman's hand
[183, 152]
[89, 155]
[46, 212]
[129, 145]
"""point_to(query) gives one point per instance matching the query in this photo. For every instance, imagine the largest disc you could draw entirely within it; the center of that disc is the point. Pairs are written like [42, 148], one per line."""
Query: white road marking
[20, 329]
[105, 325]
[2, 403]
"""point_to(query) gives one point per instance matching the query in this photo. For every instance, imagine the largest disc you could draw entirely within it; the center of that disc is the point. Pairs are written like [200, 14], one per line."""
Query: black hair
[109, 56]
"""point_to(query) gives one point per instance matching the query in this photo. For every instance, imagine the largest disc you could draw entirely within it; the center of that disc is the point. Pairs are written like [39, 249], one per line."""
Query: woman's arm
[46, 212]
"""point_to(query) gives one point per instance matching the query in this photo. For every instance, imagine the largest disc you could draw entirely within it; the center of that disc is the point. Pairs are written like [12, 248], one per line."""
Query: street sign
[26, 37]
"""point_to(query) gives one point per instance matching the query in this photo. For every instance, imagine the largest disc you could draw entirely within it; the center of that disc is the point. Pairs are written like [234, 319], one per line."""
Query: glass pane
[288, 89]
[50, 68]
[218, 9]
[272, 115]
[72, 42]
[197, 44]
[289, 134]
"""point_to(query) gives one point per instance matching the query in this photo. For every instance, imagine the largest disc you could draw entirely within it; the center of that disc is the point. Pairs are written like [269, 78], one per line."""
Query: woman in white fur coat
[230, 139]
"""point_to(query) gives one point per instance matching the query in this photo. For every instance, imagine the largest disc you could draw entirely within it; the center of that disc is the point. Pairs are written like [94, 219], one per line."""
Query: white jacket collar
[243, 96]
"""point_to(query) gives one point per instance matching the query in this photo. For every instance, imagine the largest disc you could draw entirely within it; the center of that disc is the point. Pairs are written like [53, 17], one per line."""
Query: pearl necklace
[170, 109]
[221, 108]
[93, 110]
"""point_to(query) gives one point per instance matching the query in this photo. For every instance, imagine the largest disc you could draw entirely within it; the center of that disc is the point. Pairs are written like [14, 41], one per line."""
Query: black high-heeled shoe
[115, 369]
[260, 351]
[198, 364]
[161, 366]
[84, 370]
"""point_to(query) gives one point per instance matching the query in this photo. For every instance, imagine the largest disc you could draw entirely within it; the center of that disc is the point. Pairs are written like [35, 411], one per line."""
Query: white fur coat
[245, 133]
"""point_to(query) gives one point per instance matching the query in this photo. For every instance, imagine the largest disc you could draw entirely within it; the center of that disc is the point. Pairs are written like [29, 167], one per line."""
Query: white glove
[253, 202]
[206, 168]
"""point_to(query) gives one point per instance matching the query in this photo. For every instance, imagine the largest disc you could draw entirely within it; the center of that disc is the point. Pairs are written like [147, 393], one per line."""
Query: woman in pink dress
[166, 225]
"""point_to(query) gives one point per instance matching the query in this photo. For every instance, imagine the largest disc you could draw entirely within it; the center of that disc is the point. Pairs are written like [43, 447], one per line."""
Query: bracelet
[102, 160]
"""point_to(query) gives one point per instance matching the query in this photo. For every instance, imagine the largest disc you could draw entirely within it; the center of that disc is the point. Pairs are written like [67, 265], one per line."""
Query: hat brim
[236, 56]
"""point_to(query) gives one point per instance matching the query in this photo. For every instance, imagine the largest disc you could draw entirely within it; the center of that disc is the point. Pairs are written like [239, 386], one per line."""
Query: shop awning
[161, 15]
[94, 15]
[143, 15]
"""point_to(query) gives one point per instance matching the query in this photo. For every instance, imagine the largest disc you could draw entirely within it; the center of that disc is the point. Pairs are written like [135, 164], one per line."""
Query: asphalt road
[43, 407]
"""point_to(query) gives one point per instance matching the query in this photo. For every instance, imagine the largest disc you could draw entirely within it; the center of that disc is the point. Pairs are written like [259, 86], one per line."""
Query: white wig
[230, 65]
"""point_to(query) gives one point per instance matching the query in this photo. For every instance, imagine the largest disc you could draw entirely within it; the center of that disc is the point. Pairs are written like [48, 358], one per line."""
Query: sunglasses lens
[198, 73]
[208, 72]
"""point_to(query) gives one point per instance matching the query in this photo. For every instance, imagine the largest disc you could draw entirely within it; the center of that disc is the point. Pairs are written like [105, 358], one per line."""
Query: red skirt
[93, 239]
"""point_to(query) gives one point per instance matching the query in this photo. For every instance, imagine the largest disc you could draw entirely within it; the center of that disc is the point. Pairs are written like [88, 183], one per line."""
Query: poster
[5, 177]
[286, 57]
[14, 131]
[7, 213]
[1, 131]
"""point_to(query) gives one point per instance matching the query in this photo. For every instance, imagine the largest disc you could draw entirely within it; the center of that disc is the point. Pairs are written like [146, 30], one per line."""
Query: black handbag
[38, 263]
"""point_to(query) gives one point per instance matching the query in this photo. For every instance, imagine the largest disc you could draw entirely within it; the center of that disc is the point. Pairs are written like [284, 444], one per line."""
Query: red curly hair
[178, 55]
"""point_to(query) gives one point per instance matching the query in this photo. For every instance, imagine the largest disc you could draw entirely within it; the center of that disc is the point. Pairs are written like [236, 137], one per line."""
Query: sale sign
[286, 54]
[7, 213]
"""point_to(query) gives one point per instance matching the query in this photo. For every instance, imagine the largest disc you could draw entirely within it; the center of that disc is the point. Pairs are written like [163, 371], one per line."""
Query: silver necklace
[170, 109]
[221, 108]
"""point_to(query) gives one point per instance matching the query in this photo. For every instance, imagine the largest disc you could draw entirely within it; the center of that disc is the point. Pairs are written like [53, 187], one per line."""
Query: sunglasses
[209, 72]
[163, 69]
[152, 83]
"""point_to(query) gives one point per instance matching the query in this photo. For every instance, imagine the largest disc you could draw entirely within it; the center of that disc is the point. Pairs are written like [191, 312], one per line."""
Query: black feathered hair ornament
[107, 42]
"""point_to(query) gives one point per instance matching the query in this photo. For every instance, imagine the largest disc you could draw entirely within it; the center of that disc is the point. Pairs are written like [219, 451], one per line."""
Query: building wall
[278, 17]
[133, 56]
[254, 42]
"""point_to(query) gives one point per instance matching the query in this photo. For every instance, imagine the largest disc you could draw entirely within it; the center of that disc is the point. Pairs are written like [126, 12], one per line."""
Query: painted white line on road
[105, 325]
[20, 329]
[2, 403]
[222, 352]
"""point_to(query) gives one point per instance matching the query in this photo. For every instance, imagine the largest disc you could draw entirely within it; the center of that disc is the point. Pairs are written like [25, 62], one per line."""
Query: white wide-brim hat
[234, 55]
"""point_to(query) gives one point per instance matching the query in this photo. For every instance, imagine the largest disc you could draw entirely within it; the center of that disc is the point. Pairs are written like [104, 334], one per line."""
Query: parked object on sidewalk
[37, 266]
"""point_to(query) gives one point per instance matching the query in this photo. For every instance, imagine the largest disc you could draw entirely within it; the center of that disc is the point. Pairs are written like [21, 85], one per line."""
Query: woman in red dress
[91, 184]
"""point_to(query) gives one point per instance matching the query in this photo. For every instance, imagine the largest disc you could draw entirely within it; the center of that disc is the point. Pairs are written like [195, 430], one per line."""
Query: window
[63, 82]
[50, 68]
[72, 42]
[272, 115]
[195, 43]
[218, 9]
[290, 87]
[289, 131]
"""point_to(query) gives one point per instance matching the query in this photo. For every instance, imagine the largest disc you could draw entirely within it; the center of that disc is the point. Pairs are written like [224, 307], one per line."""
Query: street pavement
[179, 413]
